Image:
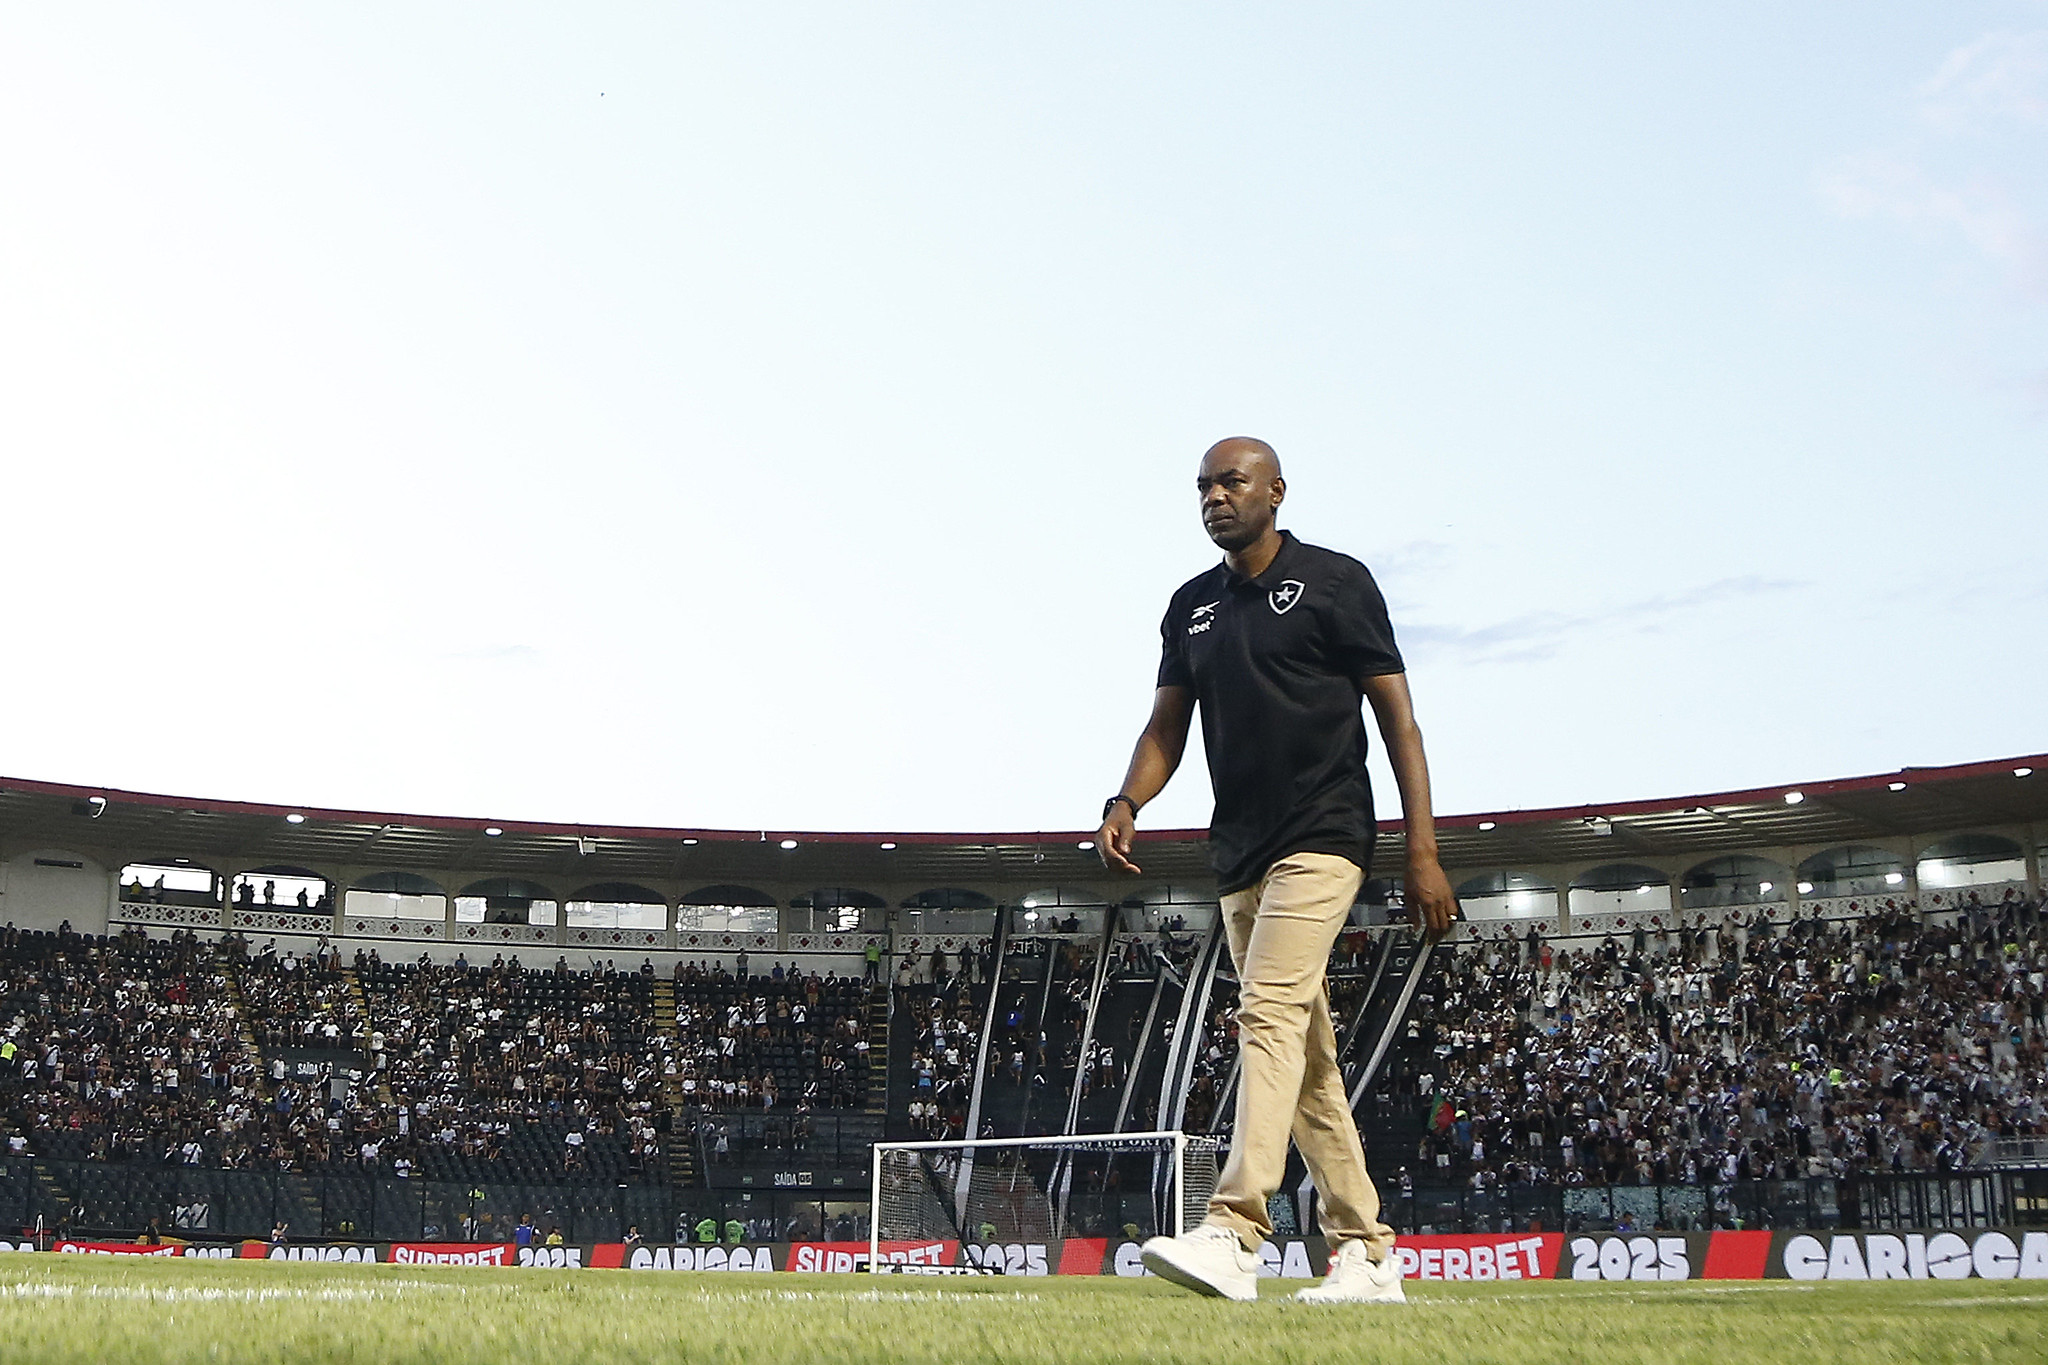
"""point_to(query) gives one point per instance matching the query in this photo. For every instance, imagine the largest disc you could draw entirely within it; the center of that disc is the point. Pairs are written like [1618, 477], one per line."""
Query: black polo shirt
[1274, 662]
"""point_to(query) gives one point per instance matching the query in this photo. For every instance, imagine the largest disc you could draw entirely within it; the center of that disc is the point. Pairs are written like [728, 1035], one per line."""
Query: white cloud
[1980, 114]
[1540, 635]
[2000, 76]
[1981, 211]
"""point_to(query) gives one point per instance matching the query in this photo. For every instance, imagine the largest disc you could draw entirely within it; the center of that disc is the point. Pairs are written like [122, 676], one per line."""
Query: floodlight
[1486, 824]
[1806, 888]
[1897, 786]
[2016, 772]
[492, 831]
[889, 845]
[295, 819]
[1894, 878]
[1085, 845]
[1794, 798]
[788, 844]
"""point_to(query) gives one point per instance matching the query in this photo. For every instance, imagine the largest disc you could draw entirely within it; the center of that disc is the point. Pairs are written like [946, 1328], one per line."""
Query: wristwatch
[1110, 805]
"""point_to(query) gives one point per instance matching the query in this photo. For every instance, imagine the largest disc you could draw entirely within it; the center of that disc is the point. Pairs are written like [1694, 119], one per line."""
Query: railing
[89, 1198]
[252, 918]
[2013, 1152]
[1962, 1199]
[803, 1145]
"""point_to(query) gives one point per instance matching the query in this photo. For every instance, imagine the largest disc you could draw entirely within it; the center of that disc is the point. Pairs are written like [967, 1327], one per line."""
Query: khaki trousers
[1281, 932]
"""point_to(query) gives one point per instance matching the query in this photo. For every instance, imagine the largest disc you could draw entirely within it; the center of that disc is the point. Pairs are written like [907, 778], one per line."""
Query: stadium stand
[766, 1041]
[944, 1000]
[1894, 1036]
[123, 1049]
[554, 1074]
[1732, 1051]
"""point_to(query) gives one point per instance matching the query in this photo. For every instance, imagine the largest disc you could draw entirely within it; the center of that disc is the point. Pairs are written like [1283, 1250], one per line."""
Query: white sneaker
[1356, 1278]
[1210, 1260]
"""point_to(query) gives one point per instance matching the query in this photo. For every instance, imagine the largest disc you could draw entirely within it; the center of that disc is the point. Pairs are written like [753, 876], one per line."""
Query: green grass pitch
[93, 1309]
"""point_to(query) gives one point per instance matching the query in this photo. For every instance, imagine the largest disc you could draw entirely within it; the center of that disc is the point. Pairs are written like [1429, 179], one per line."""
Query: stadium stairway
[260, 1086]
[52, 1193]
[896, 1078]
[681, 1139]
[880, 1097]
[299, 1206]
[361, 1000]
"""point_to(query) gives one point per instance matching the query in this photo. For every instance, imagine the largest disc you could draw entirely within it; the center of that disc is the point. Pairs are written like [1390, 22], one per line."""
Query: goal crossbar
[1051, 1140]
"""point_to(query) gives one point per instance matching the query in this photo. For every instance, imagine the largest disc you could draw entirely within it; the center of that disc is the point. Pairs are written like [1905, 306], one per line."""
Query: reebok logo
[1201, 618]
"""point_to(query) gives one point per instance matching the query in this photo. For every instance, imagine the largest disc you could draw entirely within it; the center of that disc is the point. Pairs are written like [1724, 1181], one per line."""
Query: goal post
[1036, 1190]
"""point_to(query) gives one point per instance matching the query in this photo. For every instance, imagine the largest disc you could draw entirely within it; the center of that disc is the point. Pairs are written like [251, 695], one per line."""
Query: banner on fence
[338, 1252]
[609, 1255]
[1506, 1256]
[1608, 1257]
[116, 1249]
[1960, 1254]
[454, 1253]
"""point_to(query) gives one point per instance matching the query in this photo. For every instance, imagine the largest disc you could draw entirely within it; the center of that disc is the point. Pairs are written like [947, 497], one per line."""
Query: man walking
[1278, 644]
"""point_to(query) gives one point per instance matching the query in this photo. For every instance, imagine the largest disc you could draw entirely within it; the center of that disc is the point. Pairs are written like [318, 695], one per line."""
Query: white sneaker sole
[1166, 1269]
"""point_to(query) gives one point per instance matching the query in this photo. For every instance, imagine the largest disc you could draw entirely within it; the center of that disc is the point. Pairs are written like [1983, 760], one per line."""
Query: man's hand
[1113, 841]
[1431, 905]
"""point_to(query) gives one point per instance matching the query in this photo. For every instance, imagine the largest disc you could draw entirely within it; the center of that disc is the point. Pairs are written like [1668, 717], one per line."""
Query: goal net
[992, 1194]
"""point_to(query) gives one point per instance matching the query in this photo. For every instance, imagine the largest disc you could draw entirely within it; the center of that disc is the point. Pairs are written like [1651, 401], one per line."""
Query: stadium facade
[446, 884]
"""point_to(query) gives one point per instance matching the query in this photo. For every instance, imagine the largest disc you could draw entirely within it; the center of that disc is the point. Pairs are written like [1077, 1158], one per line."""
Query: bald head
[1250, 448]
[1241, 489]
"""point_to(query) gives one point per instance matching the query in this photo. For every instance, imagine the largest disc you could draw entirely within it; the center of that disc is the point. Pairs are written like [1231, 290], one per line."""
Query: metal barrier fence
[754, 1139]
[93, 1198]
[1959, 1199]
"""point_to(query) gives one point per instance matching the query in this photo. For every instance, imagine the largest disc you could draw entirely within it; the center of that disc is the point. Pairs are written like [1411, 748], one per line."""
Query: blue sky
[740, 416]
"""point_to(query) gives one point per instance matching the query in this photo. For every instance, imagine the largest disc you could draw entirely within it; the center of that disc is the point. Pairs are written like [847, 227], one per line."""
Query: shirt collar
[1275, 572]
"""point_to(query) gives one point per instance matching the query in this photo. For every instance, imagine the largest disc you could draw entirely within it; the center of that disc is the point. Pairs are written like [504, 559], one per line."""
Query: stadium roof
[1881, 807]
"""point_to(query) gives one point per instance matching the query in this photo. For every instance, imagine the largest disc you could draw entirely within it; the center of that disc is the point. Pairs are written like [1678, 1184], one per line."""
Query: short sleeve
[1361, 639]
[1173, 664]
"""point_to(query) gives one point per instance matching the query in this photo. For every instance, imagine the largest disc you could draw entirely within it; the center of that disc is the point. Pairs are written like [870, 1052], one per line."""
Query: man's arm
[1152, 763]
[1429, 897]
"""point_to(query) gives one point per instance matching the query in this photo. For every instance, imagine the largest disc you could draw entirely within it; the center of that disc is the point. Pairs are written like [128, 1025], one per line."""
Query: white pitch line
[46, 1290]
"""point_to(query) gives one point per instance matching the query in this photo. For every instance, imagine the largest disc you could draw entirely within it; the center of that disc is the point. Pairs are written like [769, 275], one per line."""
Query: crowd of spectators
[120, 1049]
[299, 1002]
[1704, 1052]
[1742, 1049]
[945, 1040]
[780, 1040]
[488, 1062]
